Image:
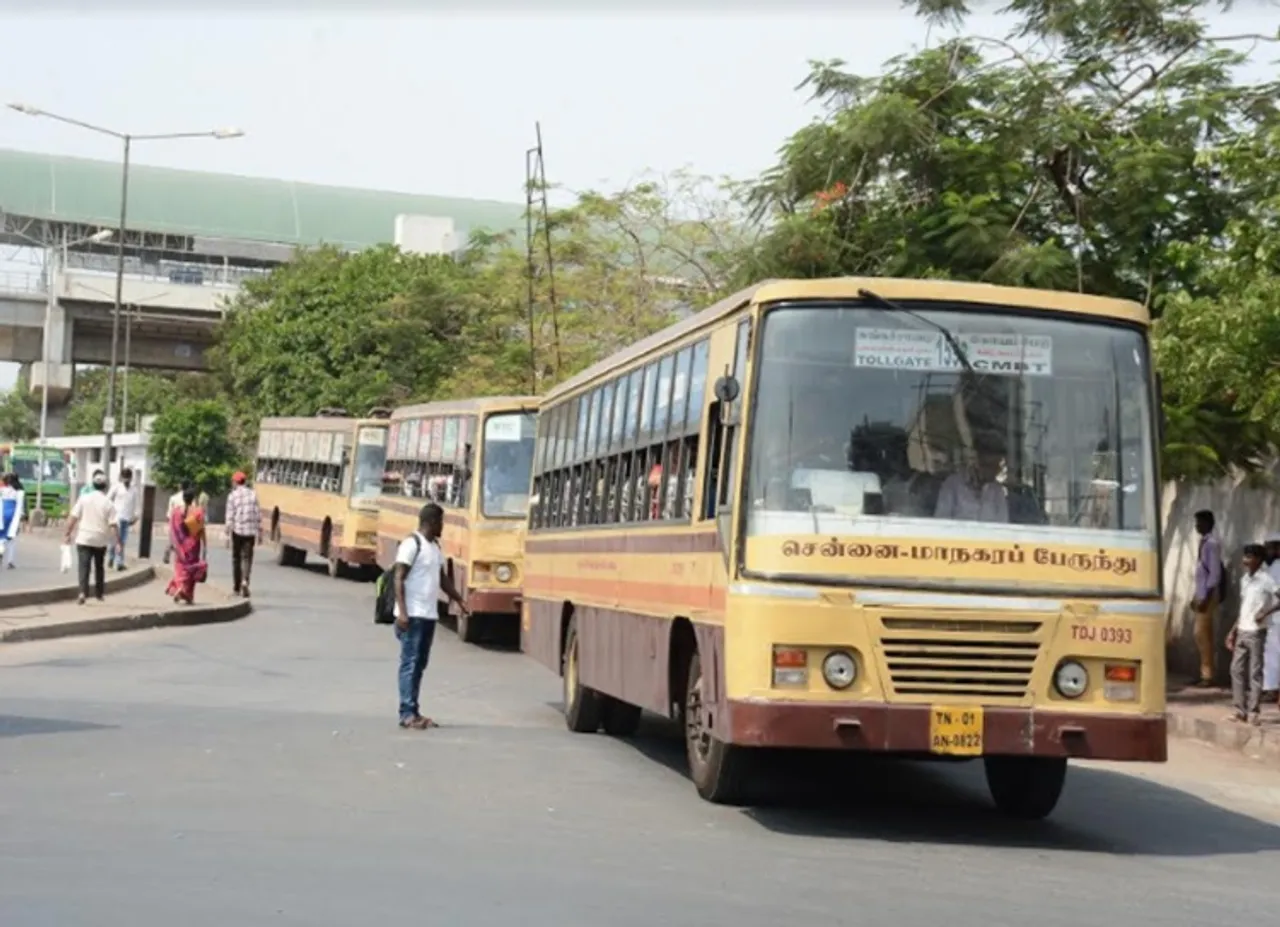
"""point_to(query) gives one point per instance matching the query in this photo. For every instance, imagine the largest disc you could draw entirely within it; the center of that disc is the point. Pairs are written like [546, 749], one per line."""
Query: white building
[127, 450]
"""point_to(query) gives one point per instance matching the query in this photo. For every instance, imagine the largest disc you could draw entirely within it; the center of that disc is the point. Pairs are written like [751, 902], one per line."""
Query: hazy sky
[443, 103]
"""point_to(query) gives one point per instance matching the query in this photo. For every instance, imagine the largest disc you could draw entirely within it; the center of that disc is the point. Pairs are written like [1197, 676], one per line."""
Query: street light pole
[108, 425]
[50, 304]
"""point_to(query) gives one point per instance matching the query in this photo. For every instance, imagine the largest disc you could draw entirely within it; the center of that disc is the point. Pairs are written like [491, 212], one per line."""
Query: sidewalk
[136, 609]
[1204, 714]
[37, 600]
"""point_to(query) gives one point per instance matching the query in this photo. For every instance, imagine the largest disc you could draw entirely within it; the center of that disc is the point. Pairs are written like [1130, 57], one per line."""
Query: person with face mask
[92, 527]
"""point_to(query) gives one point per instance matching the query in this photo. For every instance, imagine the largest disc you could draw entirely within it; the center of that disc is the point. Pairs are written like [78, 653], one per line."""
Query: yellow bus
[473, 457]
[318, 481]
[906, 516]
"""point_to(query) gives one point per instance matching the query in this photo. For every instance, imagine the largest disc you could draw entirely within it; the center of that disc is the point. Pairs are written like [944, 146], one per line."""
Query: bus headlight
[839, 669]
[503, 572]
[1070, 679]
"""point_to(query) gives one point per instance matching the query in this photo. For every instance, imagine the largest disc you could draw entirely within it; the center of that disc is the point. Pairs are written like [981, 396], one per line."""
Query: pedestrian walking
[124, 496]
[175, 502]
[1259, 600]
[188, 542]
[1271, 652]
[244, 526]
[1208, 594]
[13, 508]
[92, 526]
[419, 579]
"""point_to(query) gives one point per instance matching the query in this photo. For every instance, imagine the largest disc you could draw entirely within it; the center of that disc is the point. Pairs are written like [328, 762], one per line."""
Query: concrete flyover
[192, 239]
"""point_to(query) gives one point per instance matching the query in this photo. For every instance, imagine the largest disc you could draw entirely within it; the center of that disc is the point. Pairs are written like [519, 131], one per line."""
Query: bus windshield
[27, 469]
[867, 423]
[507, 459]
[370, 462]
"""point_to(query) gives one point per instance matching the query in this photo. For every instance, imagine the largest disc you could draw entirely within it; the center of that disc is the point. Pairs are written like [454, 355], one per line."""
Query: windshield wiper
[952, 341]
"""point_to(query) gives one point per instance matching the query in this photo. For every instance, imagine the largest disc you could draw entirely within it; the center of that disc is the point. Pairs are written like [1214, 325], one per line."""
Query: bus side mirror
[727, 389]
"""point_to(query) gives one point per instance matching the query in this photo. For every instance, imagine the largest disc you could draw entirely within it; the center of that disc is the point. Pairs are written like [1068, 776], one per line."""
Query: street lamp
[108, 425]
[50, 303]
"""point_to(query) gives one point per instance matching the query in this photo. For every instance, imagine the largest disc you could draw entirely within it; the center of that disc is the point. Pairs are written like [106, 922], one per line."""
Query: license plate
[955, 730]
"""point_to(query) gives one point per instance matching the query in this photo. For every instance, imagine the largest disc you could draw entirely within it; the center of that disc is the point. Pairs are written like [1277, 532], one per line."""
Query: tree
[330, 328]
[17, 421]
[1067, 155]
[191, 441]
[621, 266]
[150, 393]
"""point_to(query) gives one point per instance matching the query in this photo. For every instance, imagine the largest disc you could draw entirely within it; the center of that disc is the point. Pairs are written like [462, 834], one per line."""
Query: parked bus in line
[27, 462]
[902, 516]
[473, 457]
[318, 481]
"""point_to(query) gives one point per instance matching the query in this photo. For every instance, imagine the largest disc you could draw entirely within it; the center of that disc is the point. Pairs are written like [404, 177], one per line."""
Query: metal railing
[17, 281]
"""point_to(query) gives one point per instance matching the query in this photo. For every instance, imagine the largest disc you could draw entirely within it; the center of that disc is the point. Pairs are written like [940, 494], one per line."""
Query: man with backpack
[419, 577]
[1210, 590]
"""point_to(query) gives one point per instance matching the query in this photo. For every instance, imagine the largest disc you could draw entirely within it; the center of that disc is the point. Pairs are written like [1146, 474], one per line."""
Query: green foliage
[337, 329]
[191, 441]
[18, 422]
[1082, 152]
[150, 393]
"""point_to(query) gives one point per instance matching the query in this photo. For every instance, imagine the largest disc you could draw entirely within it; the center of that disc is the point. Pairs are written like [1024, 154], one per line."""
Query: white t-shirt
[95, 516]
[125, 499]
[1257, 592]
[422, 581]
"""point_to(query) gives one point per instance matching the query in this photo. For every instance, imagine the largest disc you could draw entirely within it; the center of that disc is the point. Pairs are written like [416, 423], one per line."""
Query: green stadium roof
[194, 203]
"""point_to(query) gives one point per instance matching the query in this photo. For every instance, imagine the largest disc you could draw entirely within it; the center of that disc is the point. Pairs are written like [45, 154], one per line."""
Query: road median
[142, 606]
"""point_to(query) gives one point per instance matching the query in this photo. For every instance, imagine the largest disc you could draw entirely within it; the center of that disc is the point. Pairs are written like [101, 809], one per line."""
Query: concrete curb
[1261, 743]
[176, 617]
[21, 598]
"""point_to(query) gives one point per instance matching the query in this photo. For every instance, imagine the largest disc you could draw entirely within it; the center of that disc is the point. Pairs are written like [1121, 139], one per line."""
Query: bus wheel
[468, 628]
[715, 767]
[583, 707]
[620, 719]
[337, 569]
[1025, 787]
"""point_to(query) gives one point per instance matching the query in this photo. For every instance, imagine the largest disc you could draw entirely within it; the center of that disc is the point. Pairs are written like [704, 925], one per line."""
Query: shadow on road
[881, 798]
[20, 726]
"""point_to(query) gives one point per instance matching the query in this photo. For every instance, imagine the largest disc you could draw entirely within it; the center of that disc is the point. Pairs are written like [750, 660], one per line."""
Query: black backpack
[384, 602]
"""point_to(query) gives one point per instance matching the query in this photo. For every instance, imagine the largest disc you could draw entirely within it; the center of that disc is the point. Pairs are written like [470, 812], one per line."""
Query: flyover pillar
[55, 362]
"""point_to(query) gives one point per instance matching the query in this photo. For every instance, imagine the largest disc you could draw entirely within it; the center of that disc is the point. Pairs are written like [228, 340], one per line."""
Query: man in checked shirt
[244, 524]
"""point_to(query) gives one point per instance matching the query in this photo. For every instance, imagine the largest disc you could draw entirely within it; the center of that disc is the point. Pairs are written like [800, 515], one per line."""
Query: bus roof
[478, 404]
[846, 288]
[338, 423]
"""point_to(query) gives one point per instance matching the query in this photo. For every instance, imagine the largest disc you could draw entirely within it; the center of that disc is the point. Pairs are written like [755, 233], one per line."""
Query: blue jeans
[415, 650]
[117, 552]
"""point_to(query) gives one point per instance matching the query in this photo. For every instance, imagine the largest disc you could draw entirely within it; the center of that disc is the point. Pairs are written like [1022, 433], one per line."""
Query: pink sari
[186, 534]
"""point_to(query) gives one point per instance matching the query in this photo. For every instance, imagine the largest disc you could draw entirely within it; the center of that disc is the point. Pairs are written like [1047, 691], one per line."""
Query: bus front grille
[960, 667]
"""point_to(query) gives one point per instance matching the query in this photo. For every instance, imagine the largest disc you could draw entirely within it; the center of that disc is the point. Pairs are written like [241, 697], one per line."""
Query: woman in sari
[186, 534]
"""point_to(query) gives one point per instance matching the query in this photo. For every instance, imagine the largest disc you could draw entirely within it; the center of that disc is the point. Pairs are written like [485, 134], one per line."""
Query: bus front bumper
[877, 727]
[494, 601]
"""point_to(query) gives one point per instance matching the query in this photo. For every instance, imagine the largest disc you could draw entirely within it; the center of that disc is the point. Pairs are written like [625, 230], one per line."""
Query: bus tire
[1025, 787]
[583, 707]
[468, 627]
[620, 719]
[716, 768]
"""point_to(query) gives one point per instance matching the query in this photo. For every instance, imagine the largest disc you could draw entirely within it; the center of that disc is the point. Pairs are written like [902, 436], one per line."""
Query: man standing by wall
[124, 497]
[244, 527]
[1208, 597]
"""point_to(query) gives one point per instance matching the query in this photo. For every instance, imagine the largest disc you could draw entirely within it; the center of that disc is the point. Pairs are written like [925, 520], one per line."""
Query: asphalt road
[253, 773]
